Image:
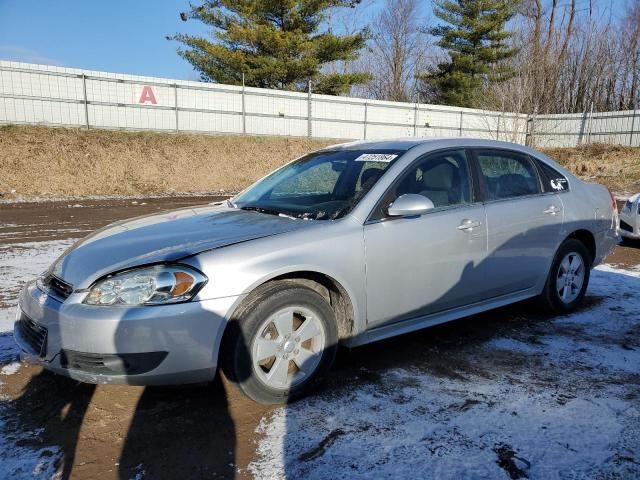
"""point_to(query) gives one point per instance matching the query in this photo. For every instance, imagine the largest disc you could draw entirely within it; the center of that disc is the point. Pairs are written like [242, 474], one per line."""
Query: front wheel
[282, 343]
[568, 278]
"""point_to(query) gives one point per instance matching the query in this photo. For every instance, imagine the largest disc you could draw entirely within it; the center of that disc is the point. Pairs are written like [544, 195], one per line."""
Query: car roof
[403, 144]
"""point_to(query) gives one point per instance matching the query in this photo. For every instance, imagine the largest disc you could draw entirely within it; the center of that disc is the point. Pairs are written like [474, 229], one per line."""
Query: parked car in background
[630, 218]
[351, 244]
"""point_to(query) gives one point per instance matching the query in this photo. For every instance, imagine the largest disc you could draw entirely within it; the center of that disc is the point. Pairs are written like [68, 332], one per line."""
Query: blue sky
[128, 36]
[124, 36]
[114, 35]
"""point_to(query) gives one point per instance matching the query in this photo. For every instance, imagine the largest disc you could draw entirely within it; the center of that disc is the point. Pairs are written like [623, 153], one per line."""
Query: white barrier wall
[42, 94]
[569, 130]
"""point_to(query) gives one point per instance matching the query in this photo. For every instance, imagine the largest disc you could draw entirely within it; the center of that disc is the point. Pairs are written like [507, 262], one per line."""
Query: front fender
[337, 253]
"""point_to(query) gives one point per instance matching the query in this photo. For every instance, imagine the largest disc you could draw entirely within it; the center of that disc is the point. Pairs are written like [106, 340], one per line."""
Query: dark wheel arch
[327, 286]
[587, 239]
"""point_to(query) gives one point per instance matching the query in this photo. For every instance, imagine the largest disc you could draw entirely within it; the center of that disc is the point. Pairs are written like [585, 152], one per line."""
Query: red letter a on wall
[147, 95]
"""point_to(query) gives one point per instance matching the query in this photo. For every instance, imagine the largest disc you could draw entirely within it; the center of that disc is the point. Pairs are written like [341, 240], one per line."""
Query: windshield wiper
[268, 211]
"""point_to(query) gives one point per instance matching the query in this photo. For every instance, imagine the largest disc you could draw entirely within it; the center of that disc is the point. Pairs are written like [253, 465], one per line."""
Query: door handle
[551, 210]
[468, 224]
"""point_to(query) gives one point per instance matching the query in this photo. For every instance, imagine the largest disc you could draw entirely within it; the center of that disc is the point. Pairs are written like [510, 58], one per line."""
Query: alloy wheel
[570, 278]
[288, 347]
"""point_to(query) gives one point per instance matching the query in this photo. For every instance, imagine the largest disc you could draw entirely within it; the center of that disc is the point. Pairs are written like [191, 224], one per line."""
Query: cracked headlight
[156, 285]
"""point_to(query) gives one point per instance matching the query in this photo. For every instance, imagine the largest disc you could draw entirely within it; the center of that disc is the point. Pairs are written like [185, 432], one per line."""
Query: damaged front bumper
[158, 345]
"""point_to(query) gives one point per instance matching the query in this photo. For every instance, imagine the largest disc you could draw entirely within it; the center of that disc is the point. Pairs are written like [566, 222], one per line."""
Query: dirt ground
[209, 431]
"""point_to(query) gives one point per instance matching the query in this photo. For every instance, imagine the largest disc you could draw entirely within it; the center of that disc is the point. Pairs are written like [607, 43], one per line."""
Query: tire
[629, 242]
[559, 298]
[258, 345]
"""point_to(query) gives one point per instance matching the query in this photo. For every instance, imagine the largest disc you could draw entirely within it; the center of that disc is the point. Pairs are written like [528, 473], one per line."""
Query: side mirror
[410, 205]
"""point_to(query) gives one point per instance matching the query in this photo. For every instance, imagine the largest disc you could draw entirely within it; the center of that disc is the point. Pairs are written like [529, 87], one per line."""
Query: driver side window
[444, 178]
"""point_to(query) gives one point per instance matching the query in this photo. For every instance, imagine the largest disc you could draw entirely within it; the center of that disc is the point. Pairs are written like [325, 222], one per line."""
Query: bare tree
[546, 45]
[574, 55]
[397, 51]
[630, 71]
[573, 58]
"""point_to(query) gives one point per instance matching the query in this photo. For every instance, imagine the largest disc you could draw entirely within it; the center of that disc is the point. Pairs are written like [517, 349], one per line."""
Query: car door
[424, 264]
[523, 223]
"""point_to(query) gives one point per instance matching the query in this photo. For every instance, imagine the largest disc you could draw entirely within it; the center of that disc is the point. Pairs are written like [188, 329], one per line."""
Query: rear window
[552, 180]
[507, 174]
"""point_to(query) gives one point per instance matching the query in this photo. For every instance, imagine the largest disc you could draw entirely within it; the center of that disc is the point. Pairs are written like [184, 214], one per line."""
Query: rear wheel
[568, 278]
[282, 344]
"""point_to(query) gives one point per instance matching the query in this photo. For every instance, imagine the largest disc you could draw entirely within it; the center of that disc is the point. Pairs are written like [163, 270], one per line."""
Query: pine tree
[475, 38]
[275, 43]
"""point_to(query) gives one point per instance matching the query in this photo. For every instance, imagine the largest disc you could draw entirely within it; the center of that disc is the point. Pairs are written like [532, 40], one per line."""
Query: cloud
[18, 53]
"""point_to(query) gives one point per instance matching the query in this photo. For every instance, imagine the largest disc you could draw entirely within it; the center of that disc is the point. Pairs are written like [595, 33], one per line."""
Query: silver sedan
[348, 245]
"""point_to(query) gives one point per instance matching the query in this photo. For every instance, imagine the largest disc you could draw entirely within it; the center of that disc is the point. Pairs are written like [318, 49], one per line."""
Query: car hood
[164, 237]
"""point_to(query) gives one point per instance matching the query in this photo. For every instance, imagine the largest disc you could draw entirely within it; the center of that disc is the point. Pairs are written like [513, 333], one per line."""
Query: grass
[615, 166]
[43, 162]
[60, 162]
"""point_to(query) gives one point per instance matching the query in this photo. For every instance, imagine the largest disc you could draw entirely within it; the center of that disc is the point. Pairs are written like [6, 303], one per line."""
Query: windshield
[320, 186]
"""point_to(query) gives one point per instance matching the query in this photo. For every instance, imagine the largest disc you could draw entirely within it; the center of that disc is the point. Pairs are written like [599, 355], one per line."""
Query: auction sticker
[376, 157]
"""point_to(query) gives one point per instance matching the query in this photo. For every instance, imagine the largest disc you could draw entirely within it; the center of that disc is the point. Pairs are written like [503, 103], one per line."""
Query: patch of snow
[10, 369]
[7, 319]
[544, 407]
[140, 472]
[20, 457]
[21, 453]
[19, 263]
[8, 349]
[513, 345]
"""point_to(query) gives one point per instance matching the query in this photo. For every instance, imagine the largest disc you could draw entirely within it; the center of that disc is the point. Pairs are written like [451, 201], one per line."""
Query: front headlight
[155, 285]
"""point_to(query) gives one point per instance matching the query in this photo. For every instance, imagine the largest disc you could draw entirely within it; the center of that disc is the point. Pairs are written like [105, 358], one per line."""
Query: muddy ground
[212, 431]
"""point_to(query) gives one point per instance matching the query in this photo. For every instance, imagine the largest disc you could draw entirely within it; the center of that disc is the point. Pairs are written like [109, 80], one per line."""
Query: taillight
[614, 205]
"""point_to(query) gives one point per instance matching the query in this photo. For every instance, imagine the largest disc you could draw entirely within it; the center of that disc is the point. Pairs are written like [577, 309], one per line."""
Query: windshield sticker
[559, 184]
[376, 157]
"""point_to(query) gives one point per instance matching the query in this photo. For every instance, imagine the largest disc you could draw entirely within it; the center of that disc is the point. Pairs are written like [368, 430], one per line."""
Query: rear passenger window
[507, 174]
[552, 180]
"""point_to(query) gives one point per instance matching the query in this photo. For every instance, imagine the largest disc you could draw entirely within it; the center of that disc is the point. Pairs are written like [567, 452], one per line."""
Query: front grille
[35, 335]
[625, 226]
[58, 287]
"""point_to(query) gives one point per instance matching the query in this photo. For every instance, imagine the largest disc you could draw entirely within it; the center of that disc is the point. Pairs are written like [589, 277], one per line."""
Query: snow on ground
[10, 368]
[558, 399]
[20, 453]
[19, 263]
